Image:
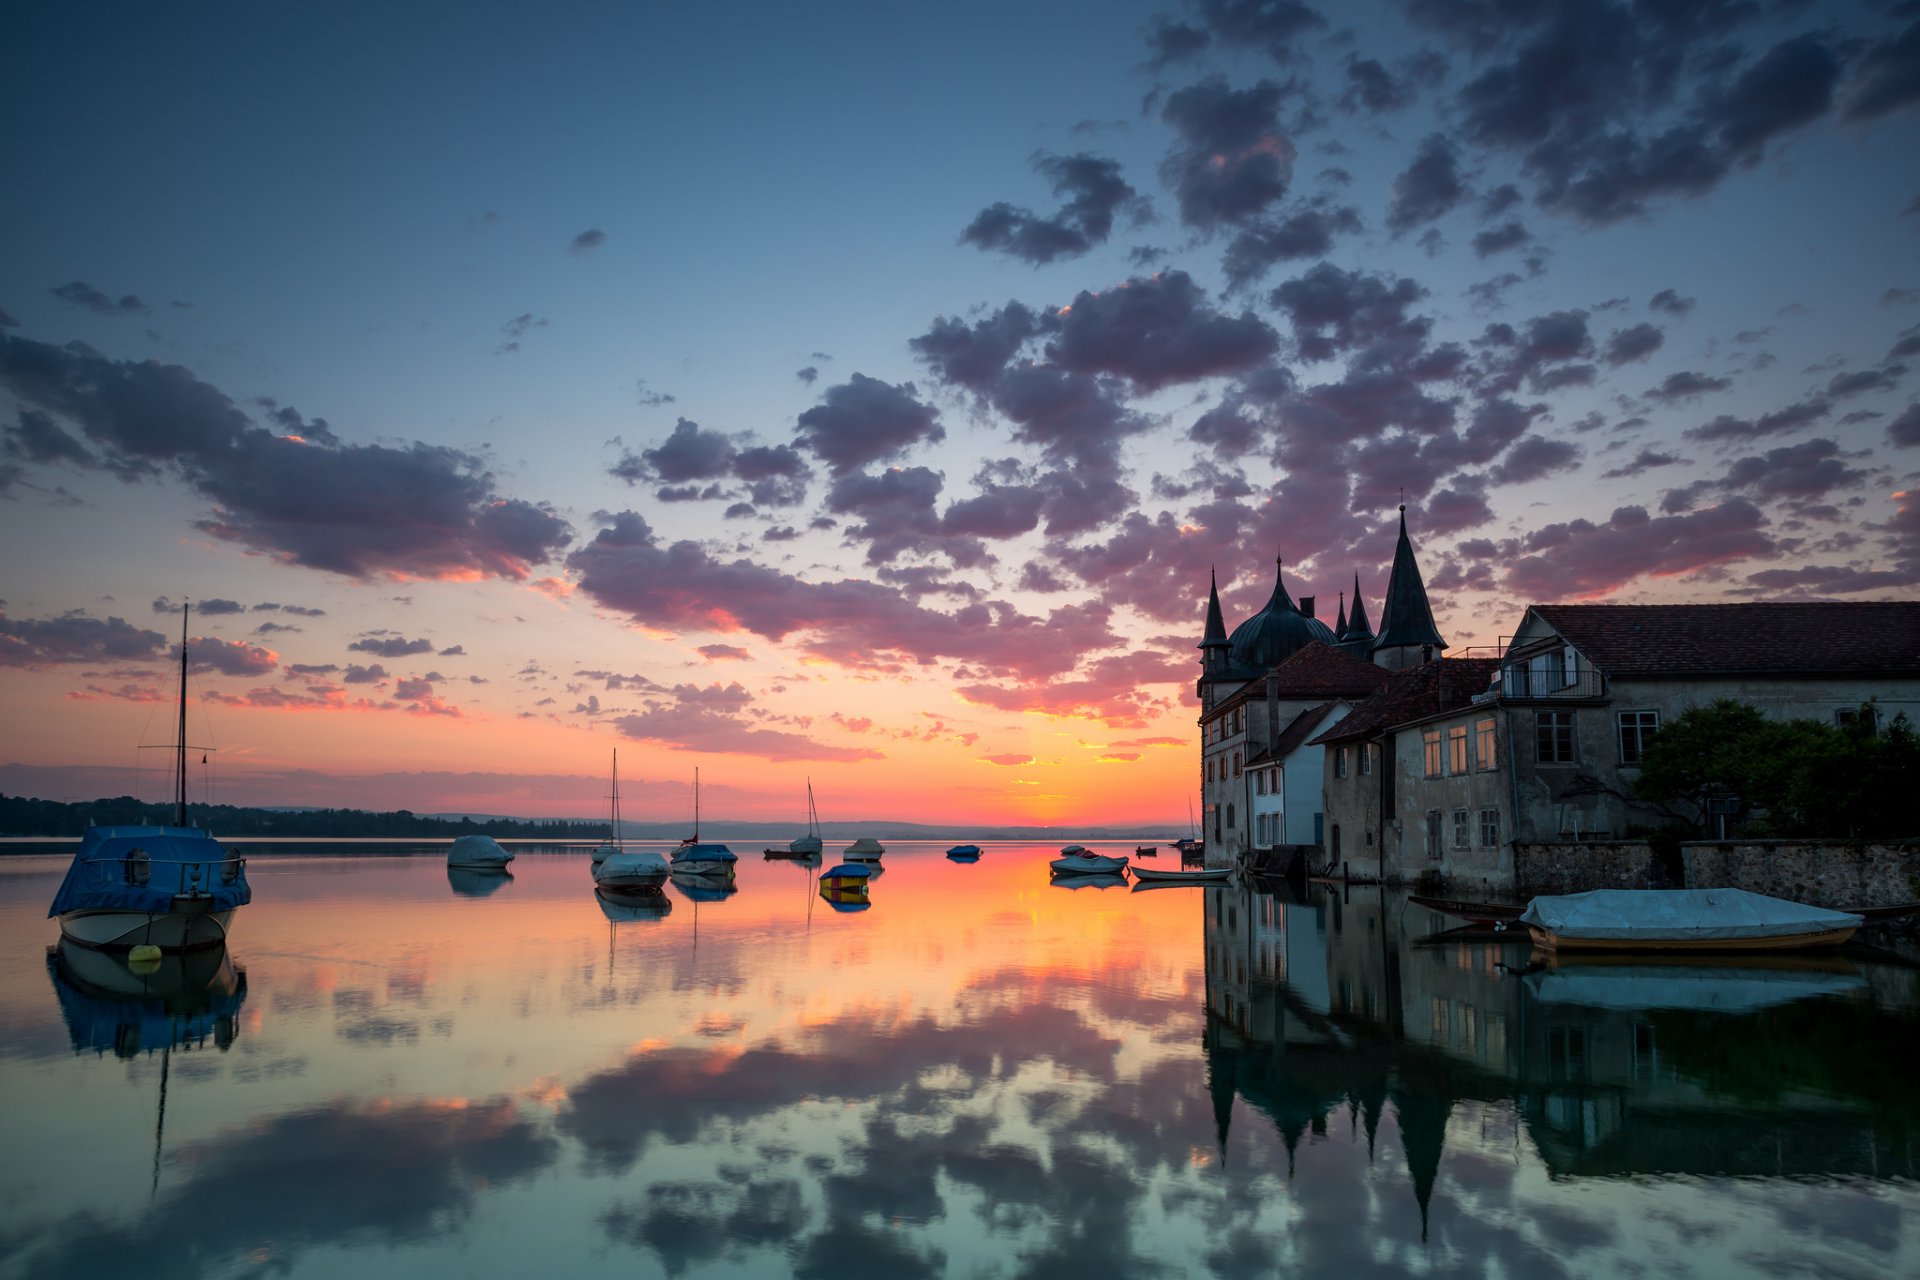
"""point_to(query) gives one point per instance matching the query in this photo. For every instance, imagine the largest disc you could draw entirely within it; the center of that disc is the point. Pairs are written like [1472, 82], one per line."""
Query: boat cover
[1698, 987]
[476, 851]
[630, 864]
[1657, 915]
[849, 870]
[704, 853]
[144, 868]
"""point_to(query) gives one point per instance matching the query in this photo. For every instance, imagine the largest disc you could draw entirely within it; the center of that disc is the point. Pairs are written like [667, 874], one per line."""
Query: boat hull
[1811, 941]
[1211, 875]
[108, 930]
[1092, 864]
[704, 870]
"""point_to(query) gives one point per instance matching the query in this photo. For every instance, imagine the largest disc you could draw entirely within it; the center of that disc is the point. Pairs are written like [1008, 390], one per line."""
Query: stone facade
[1820, 873]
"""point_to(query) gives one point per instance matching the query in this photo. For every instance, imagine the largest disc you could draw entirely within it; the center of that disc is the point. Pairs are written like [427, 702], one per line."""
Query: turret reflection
[1348, 1003]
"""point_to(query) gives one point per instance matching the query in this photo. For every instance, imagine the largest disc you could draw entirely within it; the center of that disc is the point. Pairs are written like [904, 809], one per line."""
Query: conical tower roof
[1406, 618]
[1357, 628]
[1278, 631]
[1340, 621]
[1216, 631]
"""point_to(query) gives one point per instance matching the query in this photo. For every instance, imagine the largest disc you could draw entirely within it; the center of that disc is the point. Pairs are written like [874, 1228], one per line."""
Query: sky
[864, 393]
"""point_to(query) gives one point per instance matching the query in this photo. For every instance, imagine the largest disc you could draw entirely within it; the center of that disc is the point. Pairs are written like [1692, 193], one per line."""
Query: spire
[1216, 631]
[1406, 619]
[1340, 622]
[1358, 628]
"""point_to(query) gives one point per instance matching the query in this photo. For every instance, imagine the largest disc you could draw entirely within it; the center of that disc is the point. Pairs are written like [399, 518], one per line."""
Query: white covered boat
[865, 849]
[1682, 920]
[1086, 863]
[170, 887]
[631, 869]
[478, 853]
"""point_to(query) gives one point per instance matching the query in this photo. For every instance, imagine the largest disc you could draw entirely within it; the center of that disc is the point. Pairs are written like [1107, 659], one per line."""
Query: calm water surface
[401, 1073]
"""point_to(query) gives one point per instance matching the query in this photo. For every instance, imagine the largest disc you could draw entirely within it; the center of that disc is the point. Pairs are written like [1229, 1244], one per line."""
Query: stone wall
[1822, 874]
[1577, 866]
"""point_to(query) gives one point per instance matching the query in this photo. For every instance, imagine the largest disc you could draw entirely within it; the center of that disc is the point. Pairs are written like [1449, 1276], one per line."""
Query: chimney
[1306, 605]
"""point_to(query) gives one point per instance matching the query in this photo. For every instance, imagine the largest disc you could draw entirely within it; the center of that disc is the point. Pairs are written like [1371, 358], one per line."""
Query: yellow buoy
[144, 958]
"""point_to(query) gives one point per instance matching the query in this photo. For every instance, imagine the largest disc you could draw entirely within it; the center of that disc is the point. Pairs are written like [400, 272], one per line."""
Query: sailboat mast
[180, 743]
[615, 815]
[696, 823]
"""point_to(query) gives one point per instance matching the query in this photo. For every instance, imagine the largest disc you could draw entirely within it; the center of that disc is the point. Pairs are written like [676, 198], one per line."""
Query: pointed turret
[1356, 636]
[1407, 635]
[1340, 619]
[1214, 660]
[1215, 635]
[1277, 632]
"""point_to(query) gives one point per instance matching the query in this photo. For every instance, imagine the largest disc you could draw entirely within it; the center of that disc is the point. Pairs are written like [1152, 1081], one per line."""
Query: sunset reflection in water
[984, 1073]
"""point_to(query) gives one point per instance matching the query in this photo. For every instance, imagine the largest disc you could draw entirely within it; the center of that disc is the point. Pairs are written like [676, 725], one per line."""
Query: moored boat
[848, 875]
[631, 869]
[702, 859]
[1682, 920]
[865, 849]
[809, 843]
[964, 853]
[611, 845]
[1197, 875]
[171, 887]
[1086, 862]
[478, 853]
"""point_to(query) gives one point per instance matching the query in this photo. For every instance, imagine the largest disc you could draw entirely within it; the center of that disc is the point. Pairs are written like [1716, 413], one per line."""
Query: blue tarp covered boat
[171, 887]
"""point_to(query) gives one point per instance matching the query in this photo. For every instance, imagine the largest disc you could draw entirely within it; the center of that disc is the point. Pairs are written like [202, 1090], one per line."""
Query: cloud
[1687, 385]
[1429, 188]
[1886, 77]
[1582, 559]
[1094, 192]
[1792, 418]
[1508, 235]
[36, 643]
[713, 719]
[974, 356]
[587, 241]
[230, 657]
[357, 674]
[37, 438]
[1637, 343]
[1334, 311]
[1904, 430]
[1272, 27]
[1008, 759]
[363, 511]
[1232, 162]
[1643, 462]
[1534, 459]
[1157, 331]
[516, 329]
[850, 622]
[389, 645]
[82, 294]
[865, 420]
[1672, 303]
[724, 652]
[1305, 233]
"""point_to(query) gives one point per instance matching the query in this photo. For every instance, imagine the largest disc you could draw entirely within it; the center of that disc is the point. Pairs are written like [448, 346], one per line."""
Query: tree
[1783, 777]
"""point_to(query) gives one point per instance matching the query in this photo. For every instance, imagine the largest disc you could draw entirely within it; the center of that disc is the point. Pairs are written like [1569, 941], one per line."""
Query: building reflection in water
[1338, 1006]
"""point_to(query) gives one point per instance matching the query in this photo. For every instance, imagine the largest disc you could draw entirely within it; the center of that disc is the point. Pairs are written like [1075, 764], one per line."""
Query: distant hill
[33, 817]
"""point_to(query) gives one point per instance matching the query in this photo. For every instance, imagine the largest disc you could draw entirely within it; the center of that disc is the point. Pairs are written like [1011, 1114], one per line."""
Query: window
[1864, 716]
[1460, 829]
[1457, 749]
[1259, 782]
[1636, 732]
[1489, 828]
[1275, 779]
[1484, 756]
[1340, 762]
[1433, 833]
[1229, 817]
[1553, 737]
[1431, 740]
[1366, 758]
[1236, 764]
[1336, 839]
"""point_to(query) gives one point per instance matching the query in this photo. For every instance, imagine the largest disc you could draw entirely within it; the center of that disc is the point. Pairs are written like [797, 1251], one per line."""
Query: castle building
[1280, 680]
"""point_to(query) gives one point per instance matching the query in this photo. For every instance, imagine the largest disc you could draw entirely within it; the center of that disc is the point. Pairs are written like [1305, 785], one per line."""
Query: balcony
[1532, 682]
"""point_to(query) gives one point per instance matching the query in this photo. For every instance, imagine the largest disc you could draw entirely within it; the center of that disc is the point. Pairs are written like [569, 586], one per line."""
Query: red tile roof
[1865, 637]
[1440, 685]
[1320, 669]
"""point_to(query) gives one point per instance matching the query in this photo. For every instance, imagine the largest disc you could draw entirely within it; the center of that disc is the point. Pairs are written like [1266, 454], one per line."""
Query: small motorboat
[478, 853]
[1146, 851]
[964, 853]
[1191, 875]
[1071, 849]
[848, 875]
[865, 849]
[631, 869]
[1682, 920]
[1086, 862]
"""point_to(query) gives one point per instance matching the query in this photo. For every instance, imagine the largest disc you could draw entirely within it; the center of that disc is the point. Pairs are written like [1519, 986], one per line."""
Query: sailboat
[612, 843]
[810, 842]
[169, 887]
[699, 859]
[615, 869]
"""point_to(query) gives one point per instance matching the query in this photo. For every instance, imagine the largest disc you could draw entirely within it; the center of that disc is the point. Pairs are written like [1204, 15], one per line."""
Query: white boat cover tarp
[1663, 915]
[477, 851]
[1714, 990]
[631, 863]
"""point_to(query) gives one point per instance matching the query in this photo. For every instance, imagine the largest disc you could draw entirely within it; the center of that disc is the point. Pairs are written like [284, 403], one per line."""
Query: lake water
[983, 1074]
